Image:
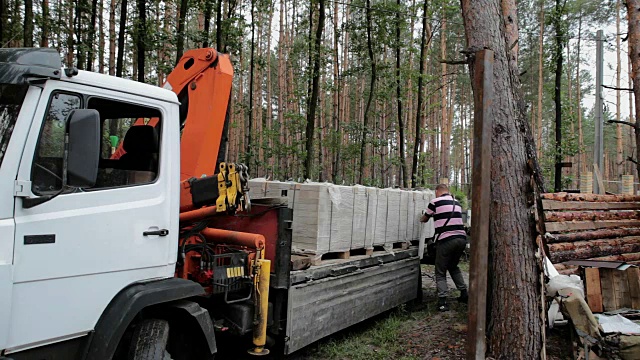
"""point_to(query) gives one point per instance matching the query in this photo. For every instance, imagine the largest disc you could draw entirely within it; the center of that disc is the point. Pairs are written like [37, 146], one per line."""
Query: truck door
[74, 253]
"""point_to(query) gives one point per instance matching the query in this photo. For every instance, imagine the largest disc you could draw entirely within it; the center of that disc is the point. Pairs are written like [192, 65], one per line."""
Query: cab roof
[122, 85]
[23, 65]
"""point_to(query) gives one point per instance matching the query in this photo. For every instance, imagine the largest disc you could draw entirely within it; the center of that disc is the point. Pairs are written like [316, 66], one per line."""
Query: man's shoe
[464, 297]
[442, 305]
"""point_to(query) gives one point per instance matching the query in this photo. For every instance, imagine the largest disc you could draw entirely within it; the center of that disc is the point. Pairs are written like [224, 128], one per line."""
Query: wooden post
[586, 182]
[598, 147]
[480, 205]
[627, 184]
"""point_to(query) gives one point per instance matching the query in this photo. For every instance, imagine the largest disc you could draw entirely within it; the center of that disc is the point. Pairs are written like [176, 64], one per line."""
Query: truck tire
[149, 340]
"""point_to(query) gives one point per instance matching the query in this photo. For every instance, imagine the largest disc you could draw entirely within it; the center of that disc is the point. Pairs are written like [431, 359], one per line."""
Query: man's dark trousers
[448, 254]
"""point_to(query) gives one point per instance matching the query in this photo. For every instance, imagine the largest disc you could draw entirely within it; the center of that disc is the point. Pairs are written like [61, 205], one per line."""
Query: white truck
[90, 248]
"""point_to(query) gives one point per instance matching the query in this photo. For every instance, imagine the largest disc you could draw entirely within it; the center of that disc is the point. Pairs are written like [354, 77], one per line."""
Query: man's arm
[428, 213]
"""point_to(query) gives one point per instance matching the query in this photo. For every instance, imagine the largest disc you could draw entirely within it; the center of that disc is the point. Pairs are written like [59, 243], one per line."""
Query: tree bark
[634, 55]
[540, 79]
[619, 158]
[418, 138]
[336, 98]
[445, 140]
[91, 36]
[44, 36]
[403, 165]
[219, 45]
[27, 37]
[101, 41]
[181, 21]
[514, 286]
[142, 38]
[592, 235]
[248, 135]
[560, 252]
[372, 85]
[112, 37]
[582, 160]
[121, 35]
[207, 22]
[590, 215]
[557, 19]
[70, 43]
[315, 87]
[4, 9]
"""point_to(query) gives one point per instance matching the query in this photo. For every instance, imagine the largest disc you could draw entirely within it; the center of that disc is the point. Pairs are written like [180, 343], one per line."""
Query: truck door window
[11, 97]
[46, 173]
[135, 132]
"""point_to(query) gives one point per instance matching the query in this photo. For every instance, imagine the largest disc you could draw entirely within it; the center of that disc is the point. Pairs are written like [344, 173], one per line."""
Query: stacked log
[591, 226]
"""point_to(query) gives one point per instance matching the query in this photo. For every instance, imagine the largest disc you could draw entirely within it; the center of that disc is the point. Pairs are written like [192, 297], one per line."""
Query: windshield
[11, 97]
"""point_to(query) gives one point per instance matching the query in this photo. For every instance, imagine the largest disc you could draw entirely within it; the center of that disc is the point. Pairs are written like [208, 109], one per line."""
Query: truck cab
[79, 230]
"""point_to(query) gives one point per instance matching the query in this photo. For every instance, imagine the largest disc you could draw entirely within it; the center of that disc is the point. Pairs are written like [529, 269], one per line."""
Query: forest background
[373, 92]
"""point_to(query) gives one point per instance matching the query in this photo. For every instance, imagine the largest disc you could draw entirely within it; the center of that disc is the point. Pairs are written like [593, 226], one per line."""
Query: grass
[377, 339]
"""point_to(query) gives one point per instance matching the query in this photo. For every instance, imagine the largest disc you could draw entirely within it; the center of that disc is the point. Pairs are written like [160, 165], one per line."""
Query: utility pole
[598, 147]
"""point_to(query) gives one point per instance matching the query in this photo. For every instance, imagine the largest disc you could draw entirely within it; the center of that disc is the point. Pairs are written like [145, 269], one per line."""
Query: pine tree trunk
[311, 113]
[28, 23]
[44, 35]
[80, 35]
[207, 22]
[248, 133]
[219, 45]
[112, 37]
[142, 38]
[91, 36]
[181, 21]
[558, 94]
[619, 160]
[4, 10]
[634, 55]
[401, 150]
[121, 36]
[365, 117]
[444, 124]
[514, 286]
[269, 117]
[632, 143]
[70, 35]
[582, 162]
[419, 138]
[337, 83]
[540, 79]
[101, 42]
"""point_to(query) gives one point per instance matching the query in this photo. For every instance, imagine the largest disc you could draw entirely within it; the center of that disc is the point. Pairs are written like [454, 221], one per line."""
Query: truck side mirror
[83, 148]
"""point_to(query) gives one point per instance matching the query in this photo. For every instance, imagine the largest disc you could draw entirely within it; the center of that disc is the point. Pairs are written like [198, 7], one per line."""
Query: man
[451, 241]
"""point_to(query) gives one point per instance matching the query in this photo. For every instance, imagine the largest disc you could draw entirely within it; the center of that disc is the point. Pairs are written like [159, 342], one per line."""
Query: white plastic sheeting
[311, 228]
[341, 218]
[372, 208]
[393, 216]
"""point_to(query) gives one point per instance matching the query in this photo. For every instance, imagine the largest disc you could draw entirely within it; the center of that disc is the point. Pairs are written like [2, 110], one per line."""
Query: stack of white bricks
[334, 218]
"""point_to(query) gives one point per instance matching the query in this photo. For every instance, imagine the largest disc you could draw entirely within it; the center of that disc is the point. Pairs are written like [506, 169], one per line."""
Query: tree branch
[455, 62]
[632, 160]
[615, 88]
[633, 125]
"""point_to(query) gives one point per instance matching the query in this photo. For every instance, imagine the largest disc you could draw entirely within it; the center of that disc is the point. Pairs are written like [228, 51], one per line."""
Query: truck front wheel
[149, 340]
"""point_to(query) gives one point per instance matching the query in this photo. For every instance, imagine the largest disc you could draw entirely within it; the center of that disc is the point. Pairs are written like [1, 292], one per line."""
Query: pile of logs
[590, 226]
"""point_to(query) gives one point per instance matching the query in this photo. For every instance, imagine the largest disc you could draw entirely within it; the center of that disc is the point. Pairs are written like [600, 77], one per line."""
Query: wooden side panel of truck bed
[322, 307]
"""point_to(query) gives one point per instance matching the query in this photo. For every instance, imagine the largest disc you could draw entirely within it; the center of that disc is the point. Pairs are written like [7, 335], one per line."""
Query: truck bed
[332, 296]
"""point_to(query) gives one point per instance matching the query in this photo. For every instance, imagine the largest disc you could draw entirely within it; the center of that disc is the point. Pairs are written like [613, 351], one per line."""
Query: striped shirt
[440, 209]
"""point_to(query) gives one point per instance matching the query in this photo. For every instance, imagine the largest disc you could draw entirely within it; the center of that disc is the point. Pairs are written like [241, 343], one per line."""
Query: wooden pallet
[403, 245]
